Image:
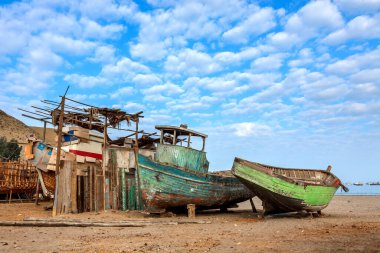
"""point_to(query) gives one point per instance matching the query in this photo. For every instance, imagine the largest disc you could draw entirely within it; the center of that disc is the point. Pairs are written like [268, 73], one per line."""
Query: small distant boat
[178, 176]
[287, 190]
[358, 184]
[374, 183]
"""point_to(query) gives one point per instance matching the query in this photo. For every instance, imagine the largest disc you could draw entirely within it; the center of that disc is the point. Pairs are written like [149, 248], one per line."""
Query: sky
[287, 83]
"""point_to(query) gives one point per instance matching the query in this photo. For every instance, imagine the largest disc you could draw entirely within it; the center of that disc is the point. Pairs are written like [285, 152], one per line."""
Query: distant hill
[50, 137]
[12, 128]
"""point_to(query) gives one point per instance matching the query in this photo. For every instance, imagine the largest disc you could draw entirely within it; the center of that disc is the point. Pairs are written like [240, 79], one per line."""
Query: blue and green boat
[178, 175]
[287, 190]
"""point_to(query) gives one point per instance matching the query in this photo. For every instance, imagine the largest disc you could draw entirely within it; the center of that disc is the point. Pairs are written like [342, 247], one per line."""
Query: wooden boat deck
[307, 176]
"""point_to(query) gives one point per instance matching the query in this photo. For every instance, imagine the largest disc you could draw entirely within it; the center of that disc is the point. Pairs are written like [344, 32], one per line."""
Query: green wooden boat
[288, 190]
[179, 176]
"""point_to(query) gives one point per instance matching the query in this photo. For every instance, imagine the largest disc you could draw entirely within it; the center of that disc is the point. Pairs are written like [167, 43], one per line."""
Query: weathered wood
[104, 162]
[58, 159]
[182, 186]
[90, 186]
[139, 203]
[37, 191]
[282, 194]
[252, 205]
[70, 224]
[95, 184]
[191, 210]
[74, 189]
[139, 221]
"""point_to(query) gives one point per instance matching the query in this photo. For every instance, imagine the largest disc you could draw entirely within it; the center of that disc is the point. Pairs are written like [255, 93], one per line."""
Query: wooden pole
[175, 138]
[162, 137]
[136, 151]
[58, 159]
[37, 190]
[44, 137]
[74, 187]
[104, 161]
[253, 206]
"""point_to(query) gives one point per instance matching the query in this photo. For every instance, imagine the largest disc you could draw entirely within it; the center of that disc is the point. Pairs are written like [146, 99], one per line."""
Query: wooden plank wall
[80, 187]
[79, 192]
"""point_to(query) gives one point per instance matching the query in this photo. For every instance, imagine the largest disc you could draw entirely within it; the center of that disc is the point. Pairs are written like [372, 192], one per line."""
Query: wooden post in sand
[253, 206]
[37, 190]
[191, 210]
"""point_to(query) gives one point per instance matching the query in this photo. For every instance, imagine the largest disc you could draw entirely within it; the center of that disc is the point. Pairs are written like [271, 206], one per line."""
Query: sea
[360, 190]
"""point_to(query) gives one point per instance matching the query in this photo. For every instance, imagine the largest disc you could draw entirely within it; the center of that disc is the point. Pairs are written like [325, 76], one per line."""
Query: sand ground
[348, 224]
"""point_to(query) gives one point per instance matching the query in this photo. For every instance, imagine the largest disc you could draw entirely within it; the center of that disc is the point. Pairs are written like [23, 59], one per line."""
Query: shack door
[128, 189]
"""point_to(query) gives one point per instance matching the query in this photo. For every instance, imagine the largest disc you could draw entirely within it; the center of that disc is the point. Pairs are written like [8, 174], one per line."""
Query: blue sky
[289, 83]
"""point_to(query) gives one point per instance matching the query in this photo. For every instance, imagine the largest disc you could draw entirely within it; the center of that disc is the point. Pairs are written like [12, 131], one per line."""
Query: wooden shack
[92, 172]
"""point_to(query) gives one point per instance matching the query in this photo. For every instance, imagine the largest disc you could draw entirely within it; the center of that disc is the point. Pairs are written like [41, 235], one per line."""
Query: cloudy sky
[289, 83]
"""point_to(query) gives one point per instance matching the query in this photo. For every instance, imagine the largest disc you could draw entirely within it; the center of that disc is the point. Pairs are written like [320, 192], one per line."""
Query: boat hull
[166, 187]
[279, 195]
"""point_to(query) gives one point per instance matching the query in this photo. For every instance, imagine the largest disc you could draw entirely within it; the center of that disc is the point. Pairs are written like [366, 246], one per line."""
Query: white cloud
[81, 97]
[305, 57]
[146, 79]
[191, 101]
[312, 20]
[201, 115]
[367, 75]
[123, 92]
[258, 22]
[167, 30]
[125, 68]
[270, 62]
[122, 71]
[85, 81]
[343, 67]
[93, 30]
[150, 51]
[134, 107]
[36, 69]
[357, 7]
[191, 62]
[227, 58]
[248, 129]
[162, 92]
[227, 85]
[107, 9]
[356, 62]
[41, 58]
[104, 54]
[361, 28]
[62, 44]
[25, 82]
[167, 88]
[230, 84]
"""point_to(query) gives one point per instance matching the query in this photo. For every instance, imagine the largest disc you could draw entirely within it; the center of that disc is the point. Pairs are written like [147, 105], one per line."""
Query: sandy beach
[348, 224]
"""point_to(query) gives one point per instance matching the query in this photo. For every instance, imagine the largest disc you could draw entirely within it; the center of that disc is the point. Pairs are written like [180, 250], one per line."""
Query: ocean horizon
[360, 190]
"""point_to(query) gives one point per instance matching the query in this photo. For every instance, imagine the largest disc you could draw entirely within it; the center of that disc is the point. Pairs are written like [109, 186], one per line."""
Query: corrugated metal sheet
[183, 157]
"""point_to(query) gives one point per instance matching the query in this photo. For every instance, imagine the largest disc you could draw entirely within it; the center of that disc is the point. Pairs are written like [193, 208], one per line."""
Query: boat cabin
[175, 148]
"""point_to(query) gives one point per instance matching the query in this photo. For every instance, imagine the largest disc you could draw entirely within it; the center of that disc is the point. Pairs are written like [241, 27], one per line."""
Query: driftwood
[68, 224]
[80, 223]
[121, 222]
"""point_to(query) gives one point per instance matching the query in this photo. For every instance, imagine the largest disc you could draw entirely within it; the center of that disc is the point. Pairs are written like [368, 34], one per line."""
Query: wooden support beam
[58, 159]
[253, 206]
[104, 161]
